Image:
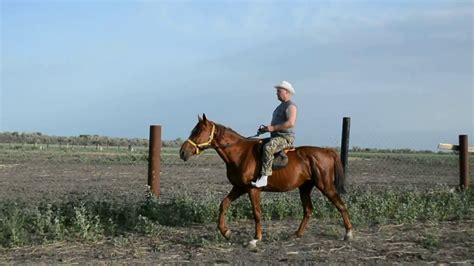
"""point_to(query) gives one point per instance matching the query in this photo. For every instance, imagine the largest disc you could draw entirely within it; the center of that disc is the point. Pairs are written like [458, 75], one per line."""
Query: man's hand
[262, 129]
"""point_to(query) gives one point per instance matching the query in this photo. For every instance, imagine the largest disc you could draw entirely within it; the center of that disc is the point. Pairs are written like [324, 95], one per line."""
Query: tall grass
[87, 219]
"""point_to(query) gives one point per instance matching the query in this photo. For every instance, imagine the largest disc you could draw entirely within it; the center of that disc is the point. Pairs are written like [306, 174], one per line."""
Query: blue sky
[402, 70]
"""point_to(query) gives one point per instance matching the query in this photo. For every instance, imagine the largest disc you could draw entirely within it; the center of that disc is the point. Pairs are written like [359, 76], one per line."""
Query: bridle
[202, 146]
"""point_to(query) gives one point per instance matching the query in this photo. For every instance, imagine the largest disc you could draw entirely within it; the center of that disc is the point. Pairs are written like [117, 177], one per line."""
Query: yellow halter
[200, 146]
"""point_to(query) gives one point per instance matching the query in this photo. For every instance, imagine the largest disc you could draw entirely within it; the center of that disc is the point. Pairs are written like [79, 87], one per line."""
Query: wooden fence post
[464, 178]
[464, 150]
[346, 125]
[154, 159]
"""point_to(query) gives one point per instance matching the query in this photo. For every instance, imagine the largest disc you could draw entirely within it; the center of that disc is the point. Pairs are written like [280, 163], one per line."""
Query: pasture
[84, 205]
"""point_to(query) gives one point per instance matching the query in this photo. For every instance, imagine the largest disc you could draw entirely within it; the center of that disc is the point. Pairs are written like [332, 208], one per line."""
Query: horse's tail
[340, 177]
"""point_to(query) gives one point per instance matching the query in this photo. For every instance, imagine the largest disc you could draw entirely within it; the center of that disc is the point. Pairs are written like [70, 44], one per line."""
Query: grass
[431, 239]
[87, 219]
[88, 155]
[447, 159]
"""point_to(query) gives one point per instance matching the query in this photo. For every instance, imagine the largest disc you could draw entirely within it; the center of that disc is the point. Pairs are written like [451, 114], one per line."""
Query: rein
[200, 147]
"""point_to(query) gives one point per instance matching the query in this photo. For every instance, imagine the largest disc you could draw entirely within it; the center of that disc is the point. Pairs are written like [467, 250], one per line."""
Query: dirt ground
[449, 243]
[43, 176]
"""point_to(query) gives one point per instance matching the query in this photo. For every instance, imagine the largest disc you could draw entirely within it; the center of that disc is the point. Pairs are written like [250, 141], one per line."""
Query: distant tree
[83, 140]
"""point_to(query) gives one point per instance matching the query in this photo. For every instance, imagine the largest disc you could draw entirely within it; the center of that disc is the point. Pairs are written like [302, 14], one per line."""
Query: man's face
[282, 94]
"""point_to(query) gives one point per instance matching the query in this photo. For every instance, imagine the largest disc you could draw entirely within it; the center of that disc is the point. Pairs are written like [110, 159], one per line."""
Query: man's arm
[291, 113]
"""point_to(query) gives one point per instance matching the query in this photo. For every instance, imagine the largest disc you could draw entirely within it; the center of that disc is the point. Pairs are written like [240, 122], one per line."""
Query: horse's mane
[221, 129]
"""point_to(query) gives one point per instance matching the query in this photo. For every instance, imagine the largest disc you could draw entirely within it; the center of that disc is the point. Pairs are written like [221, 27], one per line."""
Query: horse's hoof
[296, 236]
[252, 244]
[348, 236]
[228, 234]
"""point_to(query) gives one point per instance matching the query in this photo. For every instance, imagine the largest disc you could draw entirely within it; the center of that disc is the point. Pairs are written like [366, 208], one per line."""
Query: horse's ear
[204, 117]
[199, 118]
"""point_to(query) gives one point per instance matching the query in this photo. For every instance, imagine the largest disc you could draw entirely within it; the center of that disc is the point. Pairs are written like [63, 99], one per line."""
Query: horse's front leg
[234, 194]
[254, 195]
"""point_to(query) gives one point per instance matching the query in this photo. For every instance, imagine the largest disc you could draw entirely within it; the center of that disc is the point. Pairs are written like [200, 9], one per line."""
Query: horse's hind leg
[233, 195]
[330, 192]
[305, 196]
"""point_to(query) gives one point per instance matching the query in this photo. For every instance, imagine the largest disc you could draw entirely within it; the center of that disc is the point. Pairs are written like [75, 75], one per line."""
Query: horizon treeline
[81, 140]
[39, 138]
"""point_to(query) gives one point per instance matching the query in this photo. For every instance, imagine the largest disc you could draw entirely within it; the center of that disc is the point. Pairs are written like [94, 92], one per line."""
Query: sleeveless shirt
[279, 117]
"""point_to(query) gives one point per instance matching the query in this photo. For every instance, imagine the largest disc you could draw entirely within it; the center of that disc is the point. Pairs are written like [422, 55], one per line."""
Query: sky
[402, 70]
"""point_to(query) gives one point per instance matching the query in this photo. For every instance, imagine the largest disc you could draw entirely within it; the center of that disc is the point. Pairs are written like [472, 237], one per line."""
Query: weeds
[13, 226]
[48, 223]
[87, 219]
[431, 239]
[85, 224]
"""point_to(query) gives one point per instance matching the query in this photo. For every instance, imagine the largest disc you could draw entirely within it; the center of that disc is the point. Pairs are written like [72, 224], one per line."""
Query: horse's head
[199, 140]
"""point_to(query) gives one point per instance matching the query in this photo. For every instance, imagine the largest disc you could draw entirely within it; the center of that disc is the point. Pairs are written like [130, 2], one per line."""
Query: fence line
[68, 146]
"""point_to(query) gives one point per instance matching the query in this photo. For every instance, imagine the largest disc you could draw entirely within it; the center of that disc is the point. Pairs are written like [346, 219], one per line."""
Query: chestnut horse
[307, 167]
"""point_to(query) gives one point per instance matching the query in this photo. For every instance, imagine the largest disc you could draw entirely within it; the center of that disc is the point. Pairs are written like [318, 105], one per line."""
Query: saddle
[280, 158]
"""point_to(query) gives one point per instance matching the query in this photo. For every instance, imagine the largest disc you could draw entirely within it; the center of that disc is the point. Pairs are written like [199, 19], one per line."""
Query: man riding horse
[281, 130]
[307, 166]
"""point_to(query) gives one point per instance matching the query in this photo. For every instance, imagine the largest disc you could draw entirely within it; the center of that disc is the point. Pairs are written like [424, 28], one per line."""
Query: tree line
[104, 141]
[83, 140]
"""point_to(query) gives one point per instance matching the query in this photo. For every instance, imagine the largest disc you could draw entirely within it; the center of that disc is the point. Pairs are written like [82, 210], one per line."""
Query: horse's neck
[231, 146]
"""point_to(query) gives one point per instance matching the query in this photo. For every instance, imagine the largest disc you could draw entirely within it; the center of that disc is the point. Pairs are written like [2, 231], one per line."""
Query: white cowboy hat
[287, 86]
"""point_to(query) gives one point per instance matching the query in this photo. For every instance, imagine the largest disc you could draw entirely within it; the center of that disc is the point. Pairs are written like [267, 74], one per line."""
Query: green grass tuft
[83, 218]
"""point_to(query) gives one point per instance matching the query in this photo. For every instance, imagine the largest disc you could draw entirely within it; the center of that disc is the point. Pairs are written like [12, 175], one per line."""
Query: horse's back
[323, 156]
[315, 150]
[301, 154]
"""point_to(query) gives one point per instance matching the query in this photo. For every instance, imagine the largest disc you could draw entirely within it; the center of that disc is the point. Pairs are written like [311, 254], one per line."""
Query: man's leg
[275, 145]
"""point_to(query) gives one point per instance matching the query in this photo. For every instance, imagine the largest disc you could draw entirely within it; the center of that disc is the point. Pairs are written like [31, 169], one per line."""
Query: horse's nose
[182, 155]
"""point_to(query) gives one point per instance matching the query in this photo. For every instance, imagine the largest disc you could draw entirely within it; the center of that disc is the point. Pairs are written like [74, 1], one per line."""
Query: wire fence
[371, 168]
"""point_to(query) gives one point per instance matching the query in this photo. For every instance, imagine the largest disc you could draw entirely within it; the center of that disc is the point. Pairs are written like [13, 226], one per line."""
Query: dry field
[32, 176]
